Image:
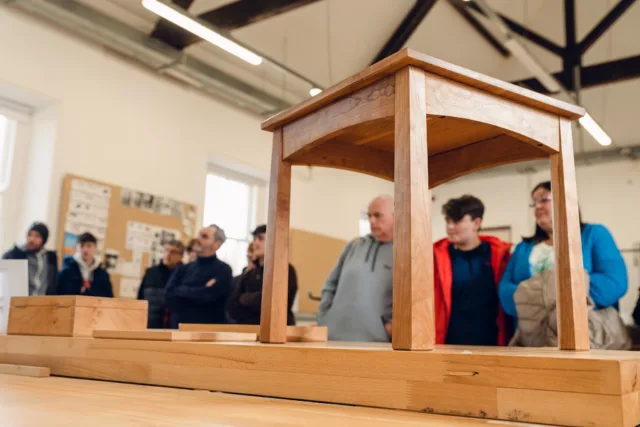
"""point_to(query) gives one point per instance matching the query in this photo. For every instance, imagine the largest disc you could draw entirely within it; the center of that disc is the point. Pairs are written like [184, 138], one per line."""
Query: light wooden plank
[273, 320]
[173, 335]
[557, 408]
[573, 328]
[413, 320]
[27, 371]
[294, 333]
[416, 381]
[404, 57]
[453, 99]
[631, 409]
[368, 104]
[79, 301]
[596, 372]
[35, 403]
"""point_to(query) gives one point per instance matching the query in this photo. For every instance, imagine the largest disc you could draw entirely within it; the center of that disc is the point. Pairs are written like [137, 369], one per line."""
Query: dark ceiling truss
[472, 20]
[573, 76]
[229, 17]
[407, 27]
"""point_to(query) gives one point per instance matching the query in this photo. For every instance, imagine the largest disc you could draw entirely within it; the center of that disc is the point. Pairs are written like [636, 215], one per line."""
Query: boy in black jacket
[82, 273]
[245, 303]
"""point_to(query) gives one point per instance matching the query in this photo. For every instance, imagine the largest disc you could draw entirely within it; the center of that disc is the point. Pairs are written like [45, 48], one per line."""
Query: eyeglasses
[541, 201]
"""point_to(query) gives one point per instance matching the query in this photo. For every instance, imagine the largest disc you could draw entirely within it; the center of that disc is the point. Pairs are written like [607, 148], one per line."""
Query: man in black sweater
[155, 280]
[245, 303]
[197, 292]
[43, 264]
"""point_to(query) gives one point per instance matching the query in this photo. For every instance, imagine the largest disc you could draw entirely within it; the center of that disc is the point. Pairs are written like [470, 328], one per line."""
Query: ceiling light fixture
[314, 91]
[594, 129]
[189, 24]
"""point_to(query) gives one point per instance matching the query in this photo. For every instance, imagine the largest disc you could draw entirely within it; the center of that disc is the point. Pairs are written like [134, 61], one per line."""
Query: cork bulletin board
[131, 227]
[313, 256]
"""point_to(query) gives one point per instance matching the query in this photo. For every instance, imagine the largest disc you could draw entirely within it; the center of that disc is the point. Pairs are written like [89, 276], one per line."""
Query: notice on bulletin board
[88, 211]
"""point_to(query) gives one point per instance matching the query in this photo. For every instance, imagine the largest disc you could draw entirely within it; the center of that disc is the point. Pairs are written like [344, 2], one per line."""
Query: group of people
[484, 292]
[200, 290]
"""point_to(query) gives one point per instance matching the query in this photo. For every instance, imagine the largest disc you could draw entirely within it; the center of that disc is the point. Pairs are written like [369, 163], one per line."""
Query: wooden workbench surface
[54, 401]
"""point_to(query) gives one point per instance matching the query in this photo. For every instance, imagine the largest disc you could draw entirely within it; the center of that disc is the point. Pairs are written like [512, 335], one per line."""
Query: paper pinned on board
[129, 287]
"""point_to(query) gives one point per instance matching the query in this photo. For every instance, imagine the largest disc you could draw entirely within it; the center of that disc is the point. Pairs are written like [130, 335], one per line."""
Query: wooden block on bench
[294, 333]
[174, 335]
[74, 316]
[26, 371]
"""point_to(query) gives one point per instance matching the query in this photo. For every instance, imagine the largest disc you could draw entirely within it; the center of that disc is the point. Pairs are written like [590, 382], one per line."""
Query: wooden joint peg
[273, 318]
[413, 318]
[573, 327]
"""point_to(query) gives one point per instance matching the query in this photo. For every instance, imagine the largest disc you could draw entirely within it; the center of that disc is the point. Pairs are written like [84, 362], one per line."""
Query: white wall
[122, 124]
[608, 194]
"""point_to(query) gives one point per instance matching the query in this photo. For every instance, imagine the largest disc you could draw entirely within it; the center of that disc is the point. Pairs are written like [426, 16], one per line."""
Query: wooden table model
[420, 122]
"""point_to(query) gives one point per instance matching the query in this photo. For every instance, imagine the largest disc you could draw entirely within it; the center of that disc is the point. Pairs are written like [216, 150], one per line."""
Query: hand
[387, 326]
[210, 283]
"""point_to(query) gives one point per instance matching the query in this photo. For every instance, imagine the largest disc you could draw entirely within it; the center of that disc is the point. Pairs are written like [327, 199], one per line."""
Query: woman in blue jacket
[600, 255]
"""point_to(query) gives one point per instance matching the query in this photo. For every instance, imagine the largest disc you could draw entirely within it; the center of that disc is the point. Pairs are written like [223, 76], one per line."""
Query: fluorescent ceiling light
[595, 130]
[201, 31]
[314, 91]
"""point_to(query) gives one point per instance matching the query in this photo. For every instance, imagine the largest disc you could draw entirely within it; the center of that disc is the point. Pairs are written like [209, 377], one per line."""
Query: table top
[56, 401]
[432, 65]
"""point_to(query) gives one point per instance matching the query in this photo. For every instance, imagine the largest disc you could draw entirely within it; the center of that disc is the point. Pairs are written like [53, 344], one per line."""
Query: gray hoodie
[357, 298]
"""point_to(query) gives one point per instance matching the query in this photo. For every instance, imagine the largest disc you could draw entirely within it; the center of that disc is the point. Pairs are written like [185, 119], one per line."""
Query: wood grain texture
[346, 156]
[371, 103]
[33, 402]
[573, 328]
[393, 63]
[27, 371]
[173, 335]
[74, 315]
[452, 99]
[273, 320]
[500, 150]
[294, 333]
[557, 408]
[369, 375]
[413, 320]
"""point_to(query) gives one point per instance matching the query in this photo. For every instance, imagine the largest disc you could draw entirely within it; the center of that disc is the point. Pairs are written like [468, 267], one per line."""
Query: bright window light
[201, 31]
[595, 130]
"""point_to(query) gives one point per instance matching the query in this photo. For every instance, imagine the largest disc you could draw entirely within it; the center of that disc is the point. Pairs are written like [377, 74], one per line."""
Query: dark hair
[539, 235]
[261, 229]
[177, 243]
[190, 245]
[87, 238]
[456, 209]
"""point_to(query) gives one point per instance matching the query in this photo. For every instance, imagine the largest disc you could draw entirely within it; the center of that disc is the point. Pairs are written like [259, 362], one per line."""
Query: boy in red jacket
[468, 268]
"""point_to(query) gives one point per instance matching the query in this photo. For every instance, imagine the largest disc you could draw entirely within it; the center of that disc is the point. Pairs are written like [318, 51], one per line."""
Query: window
[364, 227]
[230, 203]
[7, 128]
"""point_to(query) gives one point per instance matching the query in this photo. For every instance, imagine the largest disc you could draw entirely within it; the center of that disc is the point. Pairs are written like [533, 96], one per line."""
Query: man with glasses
[155, 280]
[198, 292]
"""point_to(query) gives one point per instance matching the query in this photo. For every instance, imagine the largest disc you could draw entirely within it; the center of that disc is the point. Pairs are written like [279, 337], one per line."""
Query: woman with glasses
[601, 258]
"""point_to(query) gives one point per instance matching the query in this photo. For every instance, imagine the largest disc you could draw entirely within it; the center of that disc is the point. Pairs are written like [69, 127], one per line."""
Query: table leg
[413, 317]
[573, 328]
[273, 319]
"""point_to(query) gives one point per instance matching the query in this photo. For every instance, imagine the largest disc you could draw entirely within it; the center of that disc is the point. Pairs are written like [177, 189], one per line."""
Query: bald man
[197, 292]
[357, 298]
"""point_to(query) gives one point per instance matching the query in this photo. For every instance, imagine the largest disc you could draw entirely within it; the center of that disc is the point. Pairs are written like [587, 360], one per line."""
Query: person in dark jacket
[82, 274]
[245, 303]
[468, 268]
[43, 264]
[155, 280]
[197, 292]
